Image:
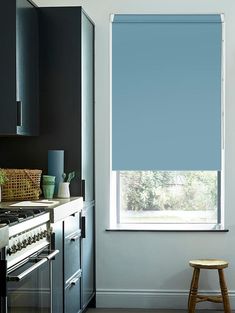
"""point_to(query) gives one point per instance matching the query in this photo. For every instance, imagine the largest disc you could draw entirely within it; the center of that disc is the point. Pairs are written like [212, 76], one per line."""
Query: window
[167, 108]
[168, 197]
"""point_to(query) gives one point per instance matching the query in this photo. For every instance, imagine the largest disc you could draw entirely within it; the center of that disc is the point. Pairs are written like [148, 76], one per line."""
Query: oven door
[28, 287]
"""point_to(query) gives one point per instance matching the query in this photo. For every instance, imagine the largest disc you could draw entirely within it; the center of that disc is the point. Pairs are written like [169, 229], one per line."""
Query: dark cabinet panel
[8, 67]
[19, 68]
[87, 118]
[88, 255]
[72, 294]
[72, 254]
[27, 68]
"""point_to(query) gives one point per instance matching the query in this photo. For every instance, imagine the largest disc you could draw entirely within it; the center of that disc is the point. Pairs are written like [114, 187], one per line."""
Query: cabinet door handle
[74, 238]
[83, 189]
[75, 280]
[83, 226]
[19, 113]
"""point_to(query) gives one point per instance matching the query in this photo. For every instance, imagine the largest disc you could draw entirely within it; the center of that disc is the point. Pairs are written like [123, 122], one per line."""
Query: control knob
[30, 240]
[13, 249]
[19, 246]
[9, 251]
[34, 238]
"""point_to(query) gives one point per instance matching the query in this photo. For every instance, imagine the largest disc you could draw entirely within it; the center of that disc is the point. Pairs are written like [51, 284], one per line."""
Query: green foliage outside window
[168, 190]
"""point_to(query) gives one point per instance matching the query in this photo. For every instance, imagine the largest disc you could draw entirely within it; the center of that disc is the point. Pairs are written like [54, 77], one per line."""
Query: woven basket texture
[22, 184]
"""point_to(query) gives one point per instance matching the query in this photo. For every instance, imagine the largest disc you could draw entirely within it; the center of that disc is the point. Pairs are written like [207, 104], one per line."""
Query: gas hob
[29, 231]
[12, 216]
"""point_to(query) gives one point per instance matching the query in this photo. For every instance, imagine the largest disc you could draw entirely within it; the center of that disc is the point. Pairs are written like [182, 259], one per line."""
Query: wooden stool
[194, 298]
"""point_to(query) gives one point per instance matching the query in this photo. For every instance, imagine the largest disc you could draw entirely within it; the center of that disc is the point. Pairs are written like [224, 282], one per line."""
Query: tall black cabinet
[67, 102]
[67, 90]
[19, 68]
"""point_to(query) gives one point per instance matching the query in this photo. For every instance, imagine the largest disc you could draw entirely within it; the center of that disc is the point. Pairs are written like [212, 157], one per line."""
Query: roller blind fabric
[166, 92]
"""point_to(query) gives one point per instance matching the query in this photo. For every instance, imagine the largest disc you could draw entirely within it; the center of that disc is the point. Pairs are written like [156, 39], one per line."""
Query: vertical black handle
[53, 241]
[19, 113]
[83, 226]
[83, 189]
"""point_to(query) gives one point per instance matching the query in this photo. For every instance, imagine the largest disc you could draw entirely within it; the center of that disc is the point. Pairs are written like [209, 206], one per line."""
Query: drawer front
[73, 294]
[71, 224]
[72, 262]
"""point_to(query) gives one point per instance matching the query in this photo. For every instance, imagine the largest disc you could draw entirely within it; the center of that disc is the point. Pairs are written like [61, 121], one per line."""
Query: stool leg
[193, 291]
[224, 292]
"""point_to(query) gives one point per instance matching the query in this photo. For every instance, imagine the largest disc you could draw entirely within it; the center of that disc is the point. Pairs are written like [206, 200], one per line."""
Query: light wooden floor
[147, 311]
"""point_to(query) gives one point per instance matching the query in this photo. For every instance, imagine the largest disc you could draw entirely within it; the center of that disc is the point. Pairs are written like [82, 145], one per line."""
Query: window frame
[114, 223]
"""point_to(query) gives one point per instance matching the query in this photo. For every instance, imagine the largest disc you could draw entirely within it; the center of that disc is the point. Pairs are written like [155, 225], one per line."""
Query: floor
[147, 311]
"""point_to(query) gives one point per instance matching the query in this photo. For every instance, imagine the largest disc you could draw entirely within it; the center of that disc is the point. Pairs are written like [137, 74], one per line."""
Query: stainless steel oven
[26, 287]
[26, 261]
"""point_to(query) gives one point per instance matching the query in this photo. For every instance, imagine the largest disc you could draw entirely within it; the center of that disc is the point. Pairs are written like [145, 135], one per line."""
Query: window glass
[167, 196]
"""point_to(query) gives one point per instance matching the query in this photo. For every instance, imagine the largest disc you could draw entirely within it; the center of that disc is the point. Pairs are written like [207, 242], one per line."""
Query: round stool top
[209, 263]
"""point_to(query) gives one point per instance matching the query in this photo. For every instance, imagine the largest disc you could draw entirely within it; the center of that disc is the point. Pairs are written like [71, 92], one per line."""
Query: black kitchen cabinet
[67, 92]
[67, 123]
[19, 80]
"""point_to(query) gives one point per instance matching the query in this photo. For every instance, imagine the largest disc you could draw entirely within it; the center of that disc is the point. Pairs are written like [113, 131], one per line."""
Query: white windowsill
[168, 227]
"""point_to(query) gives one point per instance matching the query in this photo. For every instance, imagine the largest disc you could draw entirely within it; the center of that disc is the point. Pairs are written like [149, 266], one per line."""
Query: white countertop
[59, 211]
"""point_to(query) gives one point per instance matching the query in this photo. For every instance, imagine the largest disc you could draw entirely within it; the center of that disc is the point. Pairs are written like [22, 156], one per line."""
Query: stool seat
[209, 263]
[194, 297]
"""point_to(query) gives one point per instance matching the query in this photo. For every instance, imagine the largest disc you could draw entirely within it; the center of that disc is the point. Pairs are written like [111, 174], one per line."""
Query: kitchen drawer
[72, 294]
[72, 261]
[71, 224]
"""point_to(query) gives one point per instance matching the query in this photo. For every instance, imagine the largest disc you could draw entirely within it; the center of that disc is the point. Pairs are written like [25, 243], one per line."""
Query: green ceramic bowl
[48, 178]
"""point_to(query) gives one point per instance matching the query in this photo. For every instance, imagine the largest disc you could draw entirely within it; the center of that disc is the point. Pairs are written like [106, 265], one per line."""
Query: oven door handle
[33, 267]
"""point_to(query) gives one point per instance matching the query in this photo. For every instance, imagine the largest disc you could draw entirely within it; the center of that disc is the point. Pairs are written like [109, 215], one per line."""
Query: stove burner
[13, 216]
[8, 219]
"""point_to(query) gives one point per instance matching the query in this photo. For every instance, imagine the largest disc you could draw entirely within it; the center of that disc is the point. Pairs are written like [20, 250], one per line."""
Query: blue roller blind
[166, 92]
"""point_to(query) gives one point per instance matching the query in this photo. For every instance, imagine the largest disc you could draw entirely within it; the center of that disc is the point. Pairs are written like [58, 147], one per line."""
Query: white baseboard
[153, 299]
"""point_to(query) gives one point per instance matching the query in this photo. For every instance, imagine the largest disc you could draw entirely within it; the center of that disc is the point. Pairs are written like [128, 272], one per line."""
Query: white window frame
[114, 221]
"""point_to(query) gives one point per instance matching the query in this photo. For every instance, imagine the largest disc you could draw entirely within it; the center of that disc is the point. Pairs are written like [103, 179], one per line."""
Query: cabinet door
[7, 68]
[72, 246]
[71, 254]
[72, 298]
[88, 257]
[88, 107]
[26, 68]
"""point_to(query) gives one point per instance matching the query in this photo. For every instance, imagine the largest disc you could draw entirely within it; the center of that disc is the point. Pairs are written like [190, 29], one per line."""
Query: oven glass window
[32, 294]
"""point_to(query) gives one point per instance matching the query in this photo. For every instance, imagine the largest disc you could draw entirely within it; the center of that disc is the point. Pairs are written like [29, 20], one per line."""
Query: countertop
[59, 211]
[64, 208]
